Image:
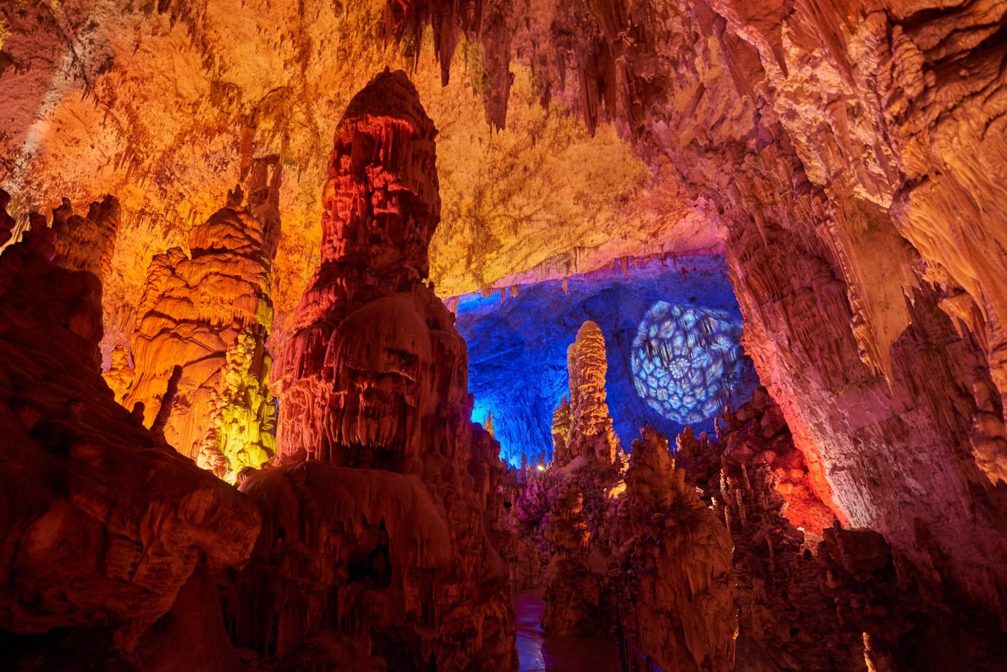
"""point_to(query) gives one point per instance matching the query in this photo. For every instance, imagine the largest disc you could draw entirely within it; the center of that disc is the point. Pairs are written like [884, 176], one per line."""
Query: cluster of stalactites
[583, 426]
[490, 24]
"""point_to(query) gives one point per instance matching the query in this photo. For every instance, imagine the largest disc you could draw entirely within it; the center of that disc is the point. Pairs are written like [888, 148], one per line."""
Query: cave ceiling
[163, 105]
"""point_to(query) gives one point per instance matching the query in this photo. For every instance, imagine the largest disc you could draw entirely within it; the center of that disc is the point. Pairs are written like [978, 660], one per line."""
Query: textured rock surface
[163, 103]
[590, 431]
[677, 603]
[207, 309]
[566, 511]
[102, 523]
[853, 154]
[87, 243]
[846, 148]
[753, 438]
[385, 497]
[822, 599]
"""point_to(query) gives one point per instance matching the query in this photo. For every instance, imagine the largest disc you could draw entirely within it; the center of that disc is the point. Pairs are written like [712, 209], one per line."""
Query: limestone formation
[822, 598]
[387, 495]
[583, 426]
[755, 438]
[677, 602]
[852, 153]
[574, 588]
[7, 223]
[751, 476]
[103, 524]
[207, 309]
[846, 157]
[87, 243]
[561, 433]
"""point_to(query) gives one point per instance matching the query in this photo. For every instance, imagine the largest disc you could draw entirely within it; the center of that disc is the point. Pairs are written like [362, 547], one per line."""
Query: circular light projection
[686, 361]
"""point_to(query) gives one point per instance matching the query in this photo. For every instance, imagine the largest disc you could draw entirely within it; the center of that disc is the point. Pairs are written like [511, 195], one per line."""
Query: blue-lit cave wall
[674, 321]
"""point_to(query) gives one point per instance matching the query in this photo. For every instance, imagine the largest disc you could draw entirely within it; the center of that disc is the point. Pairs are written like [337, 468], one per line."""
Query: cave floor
[540, 652]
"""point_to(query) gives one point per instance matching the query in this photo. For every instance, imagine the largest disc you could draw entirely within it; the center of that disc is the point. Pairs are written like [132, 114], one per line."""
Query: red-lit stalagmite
[376, 534]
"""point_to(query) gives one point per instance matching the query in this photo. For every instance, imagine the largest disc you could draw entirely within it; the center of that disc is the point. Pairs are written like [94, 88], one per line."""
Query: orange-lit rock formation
[103, 524]
[207, 309]
[373, 356]
[583, 426]
[87, 243]
[376, 538]
[677, 601]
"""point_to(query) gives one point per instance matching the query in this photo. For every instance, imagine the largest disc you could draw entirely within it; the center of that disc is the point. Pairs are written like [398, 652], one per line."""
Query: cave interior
[500, 335]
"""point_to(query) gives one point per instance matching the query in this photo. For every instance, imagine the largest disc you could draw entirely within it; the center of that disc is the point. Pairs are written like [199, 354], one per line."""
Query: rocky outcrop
[749, 475]
[565, 510]
[207, 309]
[7, 223]
[385, 496]
[576, 587]
[87, 243]
[822, 598]
[101, 523]
[755, 438]
[677, 597]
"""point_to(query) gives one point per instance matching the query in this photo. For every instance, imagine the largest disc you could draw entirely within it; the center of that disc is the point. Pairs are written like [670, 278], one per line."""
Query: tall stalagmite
[207, 309]
[587, 463]
[590, 433]
[377, 519]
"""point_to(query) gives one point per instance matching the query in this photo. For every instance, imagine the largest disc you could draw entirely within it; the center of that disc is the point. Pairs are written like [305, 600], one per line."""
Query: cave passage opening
[672, 330]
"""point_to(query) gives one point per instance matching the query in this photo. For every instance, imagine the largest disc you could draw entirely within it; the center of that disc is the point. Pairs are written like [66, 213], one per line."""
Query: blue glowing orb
[685, 361]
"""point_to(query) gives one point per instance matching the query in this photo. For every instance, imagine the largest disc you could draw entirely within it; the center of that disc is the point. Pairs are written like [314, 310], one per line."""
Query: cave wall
[852, 153]
[103, 525]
